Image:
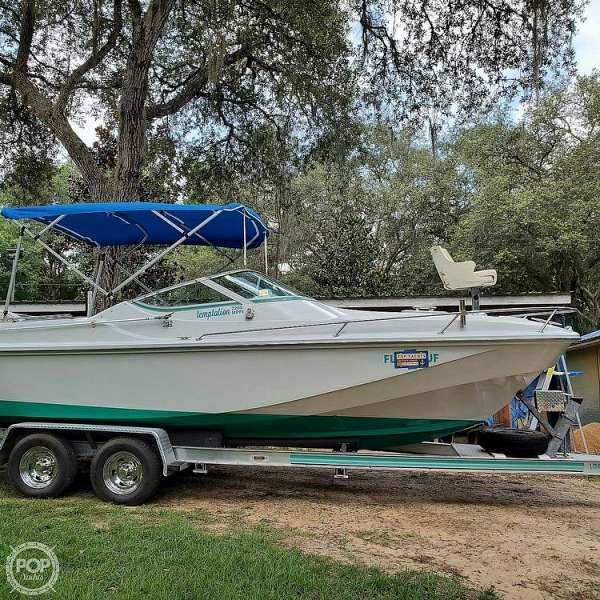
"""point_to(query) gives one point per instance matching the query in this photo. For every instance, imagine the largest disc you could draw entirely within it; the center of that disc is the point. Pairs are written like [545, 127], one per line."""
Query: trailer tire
[518, 443]
[125, 471]
[42, 465]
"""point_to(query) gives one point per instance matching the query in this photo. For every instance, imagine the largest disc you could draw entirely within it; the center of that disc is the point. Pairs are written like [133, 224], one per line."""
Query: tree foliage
[428, 60]
[535, 212]
[33, 180]
[213, 71]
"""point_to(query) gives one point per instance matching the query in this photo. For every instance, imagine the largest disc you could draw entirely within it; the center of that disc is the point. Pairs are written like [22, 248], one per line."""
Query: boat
[243, 356]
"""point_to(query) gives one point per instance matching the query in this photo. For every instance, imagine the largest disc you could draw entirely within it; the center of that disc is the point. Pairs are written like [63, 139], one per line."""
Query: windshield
[246, 284]
[185, 295]
[251, 285]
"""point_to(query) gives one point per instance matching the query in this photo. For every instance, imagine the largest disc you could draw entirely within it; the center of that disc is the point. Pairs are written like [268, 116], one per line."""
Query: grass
[147, 552]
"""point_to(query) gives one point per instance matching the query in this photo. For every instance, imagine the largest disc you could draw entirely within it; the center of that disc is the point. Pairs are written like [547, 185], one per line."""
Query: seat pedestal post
[475, 298]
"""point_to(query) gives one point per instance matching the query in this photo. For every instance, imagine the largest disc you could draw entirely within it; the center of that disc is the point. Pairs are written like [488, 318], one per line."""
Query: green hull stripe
[445, 463]
[374, 433]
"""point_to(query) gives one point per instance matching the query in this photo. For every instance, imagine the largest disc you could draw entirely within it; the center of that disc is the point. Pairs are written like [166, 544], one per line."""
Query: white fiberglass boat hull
[275, 392]
[271, 369]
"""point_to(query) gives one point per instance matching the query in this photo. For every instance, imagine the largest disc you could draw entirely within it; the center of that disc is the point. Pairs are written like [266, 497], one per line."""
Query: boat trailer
[87, 440]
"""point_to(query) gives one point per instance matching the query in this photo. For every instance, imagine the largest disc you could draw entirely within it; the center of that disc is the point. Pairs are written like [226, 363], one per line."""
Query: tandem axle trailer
[128, 463]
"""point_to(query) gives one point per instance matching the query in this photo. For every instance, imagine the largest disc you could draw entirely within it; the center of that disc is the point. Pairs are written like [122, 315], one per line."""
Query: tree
[227, 59]
[343, 260]
[31, 265]
[535, 213]
[392, 200]
[428, 60]
[218, 63]
[35, 179]
[249, 94]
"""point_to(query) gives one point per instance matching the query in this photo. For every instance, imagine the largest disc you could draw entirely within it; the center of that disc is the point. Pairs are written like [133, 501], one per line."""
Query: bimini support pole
[198, 235]
[92, 301]
[266, 258]
[13, 275]
[166, 251]
[65, 262]
[245, 241]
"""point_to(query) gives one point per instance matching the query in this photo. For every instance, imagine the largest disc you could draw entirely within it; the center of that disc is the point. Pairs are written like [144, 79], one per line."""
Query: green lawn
[148, 552]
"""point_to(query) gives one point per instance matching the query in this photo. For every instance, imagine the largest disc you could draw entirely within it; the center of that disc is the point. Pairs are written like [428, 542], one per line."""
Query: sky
[586, 44]
[587, 40]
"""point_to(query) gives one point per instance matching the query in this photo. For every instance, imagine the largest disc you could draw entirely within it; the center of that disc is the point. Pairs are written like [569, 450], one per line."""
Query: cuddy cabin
[235, 301]
[244, 307]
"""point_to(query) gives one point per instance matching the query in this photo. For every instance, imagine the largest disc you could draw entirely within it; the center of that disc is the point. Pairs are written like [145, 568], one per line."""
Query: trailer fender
[159, 438]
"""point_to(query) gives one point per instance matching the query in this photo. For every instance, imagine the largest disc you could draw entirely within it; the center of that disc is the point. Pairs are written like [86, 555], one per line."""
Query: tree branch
[8, 8]
[41, 106]
[154, 22]
[136, 12]
[194, 85]
[97, 56]
[25, 36]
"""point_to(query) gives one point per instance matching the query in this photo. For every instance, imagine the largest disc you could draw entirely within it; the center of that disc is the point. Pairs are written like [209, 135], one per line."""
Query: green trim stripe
[169, 309]
[441, 463]
[211, 304]
[278, 299]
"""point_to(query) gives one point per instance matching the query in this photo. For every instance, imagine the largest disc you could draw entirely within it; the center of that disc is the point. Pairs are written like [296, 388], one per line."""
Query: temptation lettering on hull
[215, 313]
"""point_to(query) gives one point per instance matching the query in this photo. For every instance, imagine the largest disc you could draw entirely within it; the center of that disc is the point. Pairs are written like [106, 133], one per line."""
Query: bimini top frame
[136, 224]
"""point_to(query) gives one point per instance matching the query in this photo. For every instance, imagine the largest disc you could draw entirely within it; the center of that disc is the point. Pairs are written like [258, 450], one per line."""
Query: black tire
[42, 465]
[518, 443]
[126, 471]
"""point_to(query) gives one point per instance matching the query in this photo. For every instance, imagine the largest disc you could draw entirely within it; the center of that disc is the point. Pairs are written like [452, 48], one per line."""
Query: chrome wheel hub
[38, 467]
[123, 473]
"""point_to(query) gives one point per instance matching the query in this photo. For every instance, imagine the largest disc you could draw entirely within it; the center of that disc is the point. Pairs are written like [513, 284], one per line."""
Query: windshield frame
[209, 282]
[288, 293]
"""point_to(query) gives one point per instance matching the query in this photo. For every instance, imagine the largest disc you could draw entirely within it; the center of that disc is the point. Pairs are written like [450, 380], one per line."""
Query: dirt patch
[530, 537]
[592, 438]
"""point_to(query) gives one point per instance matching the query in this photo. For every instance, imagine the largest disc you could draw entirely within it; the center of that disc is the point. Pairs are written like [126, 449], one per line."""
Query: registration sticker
[411, 359]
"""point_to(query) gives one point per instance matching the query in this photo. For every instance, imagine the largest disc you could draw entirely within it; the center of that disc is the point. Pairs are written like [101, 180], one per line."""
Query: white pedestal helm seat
[461, 275]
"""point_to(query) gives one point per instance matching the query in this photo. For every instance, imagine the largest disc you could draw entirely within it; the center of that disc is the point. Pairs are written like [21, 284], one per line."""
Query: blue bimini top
[150, 223]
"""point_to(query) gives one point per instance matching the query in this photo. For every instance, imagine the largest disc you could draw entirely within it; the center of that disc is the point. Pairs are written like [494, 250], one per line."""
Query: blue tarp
[518, 410]
[133, 223]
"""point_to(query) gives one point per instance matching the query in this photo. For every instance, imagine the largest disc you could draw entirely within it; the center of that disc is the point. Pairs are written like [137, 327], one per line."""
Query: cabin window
[194, 293]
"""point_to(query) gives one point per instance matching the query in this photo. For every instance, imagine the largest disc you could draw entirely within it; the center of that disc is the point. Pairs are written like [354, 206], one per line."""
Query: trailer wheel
[125, 471]
[42, 465]
[519, 443]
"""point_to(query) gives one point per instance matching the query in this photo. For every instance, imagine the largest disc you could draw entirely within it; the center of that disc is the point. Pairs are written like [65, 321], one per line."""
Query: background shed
[585, 357]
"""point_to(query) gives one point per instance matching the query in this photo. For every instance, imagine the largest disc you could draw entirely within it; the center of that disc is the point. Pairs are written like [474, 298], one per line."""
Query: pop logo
[32, 569]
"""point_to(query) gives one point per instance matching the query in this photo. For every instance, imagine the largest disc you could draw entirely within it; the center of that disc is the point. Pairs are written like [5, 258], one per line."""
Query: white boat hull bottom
[271, 393]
